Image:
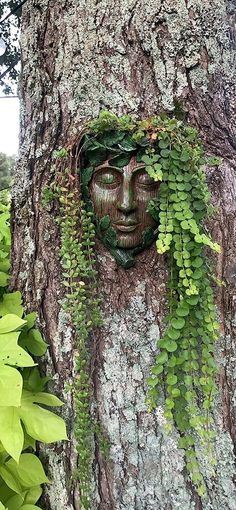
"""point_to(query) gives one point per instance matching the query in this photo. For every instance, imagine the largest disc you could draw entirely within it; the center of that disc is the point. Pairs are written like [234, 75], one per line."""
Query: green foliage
[5, 241]
[81, 305]
[23, 420]
[185, 369]
[153, 168]
[110, 237]
[6, 170]
[105, 222]
[60, 153]
[48, 196]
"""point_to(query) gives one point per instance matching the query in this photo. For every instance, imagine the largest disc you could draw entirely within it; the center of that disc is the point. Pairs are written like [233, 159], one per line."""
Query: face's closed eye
[144, 180]
[107, 178]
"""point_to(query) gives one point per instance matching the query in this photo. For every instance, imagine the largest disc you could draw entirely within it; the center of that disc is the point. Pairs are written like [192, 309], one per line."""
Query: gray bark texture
[138, 57]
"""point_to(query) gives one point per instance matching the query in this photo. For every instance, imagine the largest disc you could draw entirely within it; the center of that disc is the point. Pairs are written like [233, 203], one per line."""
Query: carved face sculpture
[124, 194]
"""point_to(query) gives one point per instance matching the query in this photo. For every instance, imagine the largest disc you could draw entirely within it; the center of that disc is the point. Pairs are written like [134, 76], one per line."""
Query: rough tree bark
[138, 57]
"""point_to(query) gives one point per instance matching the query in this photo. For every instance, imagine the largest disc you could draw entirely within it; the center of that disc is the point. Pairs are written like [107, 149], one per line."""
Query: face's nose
[127, 202]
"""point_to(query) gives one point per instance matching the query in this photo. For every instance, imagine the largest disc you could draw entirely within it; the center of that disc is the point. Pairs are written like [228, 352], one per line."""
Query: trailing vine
[184, 368]
[23, 420]
[81, 304]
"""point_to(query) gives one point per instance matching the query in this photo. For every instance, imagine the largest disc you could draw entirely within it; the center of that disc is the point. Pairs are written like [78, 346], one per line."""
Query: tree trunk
[139, 57]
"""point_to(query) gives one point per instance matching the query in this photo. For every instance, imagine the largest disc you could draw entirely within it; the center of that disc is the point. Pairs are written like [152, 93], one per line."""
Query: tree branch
[13, 11]
[7, 70]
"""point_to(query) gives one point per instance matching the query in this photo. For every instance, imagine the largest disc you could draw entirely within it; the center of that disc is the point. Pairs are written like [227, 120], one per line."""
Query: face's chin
[129, 239]
[128, 235]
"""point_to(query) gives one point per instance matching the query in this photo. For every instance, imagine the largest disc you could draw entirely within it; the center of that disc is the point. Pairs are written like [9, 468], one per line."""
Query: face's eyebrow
[107, 166]
[138, 167]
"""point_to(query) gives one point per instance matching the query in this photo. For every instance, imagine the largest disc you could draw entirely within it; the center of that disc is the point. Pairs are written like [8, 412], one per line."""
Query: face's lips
[126, 226]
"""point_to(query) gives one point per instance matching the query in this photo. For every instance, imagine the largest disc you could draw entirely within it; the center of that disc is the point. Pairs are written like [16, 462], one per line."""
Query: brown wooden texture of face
[123, 194]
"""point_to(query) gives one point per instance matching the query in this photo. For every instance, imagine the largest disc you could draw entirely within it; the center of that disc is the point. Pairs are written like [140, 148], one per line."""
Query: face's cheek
[104, 201]
[143, 198]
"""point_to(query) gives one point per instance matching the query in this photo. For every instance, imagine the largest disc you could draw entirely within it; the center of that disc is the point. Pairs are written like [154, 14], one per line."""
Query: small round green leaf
[153, 381]
[197, 274]
[178, 323]
[169, 403]
[174, 334]
[158, 369]
[197, 262]
[175, 392]
[162, 358]
[183, 310]
[192, 300]
[171, 345]
[171, 379]
[185, 225]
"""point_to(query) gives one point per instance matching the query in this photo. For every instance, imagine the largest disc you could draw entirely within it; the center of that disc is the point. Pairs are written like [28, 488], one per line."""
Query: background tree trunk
[139, 57]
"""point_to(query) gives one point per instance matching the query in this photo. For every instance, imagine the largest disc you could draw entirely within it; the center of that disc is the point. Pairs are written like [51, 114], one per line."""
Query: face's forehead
[127, 170]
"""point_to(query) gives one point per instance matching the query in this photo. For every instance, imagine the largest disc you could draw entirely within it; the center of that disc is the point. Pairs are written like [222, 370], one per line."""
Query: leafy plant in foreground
[23, 420]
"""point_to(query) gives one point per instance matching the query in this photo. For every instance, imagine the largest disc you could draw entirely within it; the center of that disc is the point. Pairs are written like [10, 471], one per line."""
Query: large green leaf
[30, 318]
[4, 264]
[111, 138]
[120, 160]
[21, 486]
[33, 342]
[28, 442]
[33, 381]
[15, 502]
[10, 386]
[26, 497]
[4, 218]
[5, 493]
[33, 495]
[127, 144]
[11, 353]
[29, 471]
[3, 279]
[41, 424]
[11, 304]
[96, 156]
[30, 507]
[42, 398]
[11, 432]
[110, 237]
[87, 175]
[10, 322]
[10, 479]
